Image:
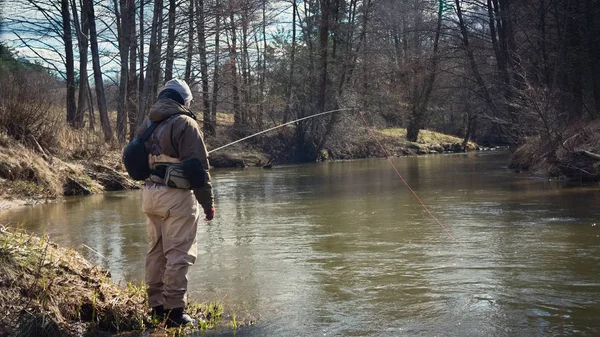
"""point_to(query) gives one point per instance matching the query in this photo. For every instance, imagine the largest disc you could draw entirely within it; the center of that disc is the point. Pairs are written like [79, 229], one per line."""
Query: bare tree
[170, 40]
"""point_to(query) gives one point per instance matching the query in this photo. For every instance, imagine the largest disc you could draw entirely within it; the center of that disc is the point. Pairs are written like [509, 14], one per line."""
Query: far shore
[46, 181]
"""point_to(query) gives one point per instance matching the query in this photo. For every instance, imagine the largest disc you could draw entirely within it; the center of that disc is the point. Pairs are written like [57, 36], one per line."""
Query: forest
[523, 74]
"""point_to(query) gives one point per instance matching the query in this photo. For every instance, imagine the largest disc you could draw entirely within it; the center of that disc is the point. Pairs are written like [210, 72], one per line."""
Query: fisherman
[179, 181]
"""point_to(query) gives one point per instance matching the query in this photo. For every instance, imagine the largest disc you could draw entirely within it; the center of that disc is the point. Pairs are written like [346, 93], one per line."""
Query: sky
[18, 19]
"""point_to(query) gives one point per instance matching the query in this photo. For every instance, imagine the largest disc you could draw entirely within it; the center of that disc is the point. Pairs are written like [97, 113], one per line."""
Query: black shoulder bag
[135, 156]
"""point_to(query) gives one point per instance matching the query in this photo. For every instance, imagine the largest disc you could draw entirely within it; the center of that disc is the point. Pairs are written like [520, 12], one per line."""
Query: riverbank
[48, 290]
[573, 156]
[29, 176]
[84, 165]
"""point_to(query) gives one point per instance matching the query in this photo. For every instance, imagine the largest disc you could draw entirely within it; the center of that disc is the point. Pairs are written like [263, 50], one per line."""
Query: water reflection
[344, 249]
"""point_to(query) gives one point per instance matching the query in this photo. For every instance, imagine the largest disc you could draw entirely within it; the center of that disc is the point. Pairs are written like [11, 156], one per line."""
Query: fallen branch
[41, 150]
[564, 144]
[589, 154]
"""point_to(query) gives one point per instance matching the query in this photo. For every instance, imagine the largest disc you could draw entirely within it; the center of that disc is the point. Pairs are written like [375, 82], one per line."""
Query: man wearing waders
[178, 184]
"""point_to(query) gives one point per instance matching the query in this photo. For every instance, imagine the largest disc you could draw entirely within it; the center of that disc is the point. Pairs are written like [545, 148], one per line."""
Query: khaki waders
[173, 216]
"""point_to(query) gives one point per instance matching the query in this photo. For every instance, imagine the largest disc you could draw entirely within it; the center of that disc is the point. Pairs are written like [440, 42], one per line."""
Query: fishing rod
[279, 126]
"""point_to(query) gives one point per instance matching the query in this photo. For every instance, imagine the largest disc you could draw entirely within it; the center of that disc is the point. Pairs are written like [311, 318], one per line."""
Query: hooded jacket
[180, 138]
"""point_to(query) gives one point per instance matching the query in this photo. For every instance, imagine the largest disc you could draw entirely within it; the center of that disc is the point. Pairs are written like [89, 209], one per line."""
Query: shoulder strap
[144, 137]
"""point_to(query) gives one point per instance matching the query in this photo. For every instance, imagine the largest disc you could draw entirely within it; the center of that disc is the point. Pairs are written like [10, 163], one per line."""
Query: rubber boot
[158, 312]
[176, 318]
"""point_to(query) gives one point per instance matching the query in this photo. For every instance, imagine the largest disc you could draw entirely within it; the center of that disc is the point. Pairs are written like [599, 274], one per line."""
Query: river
[344, 249]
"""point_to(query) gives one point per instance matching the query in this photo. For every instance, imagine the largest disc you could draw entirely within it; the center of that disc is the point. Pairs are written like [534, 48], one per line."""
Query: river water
[344, 249]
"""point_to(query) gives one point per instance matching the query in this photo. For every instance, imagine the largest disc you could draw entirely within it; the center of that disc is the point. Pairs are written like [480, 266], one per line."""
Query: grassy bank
[52, 291]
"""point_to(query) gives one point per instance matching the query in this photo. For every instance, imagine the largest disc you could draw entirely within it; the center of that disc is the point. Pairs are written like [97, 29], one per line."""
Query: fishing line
[405, 183]
[279, 126]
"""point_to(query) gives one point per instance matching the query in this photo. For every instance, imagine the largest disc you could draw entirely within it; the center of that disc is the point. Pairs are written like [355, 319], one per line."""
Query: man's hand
[210, 213]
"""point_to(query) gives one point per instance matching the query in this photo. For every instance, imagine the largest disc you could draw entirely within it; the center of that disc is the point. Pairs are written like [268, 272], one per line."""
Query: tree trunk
[470, 125]
[475, 70]
[365, 72]
[91, 113]
[307, 37]
[422, 101]
[238, 118]
[500, 42]
[414, 126]
[323, 54]
[245, 77]
[132, 92]
[346, 71]
[170, 41]
[593, 44]
[574, 97]
[216, 71]
[69, 62]
[190, 46]
[288, 90]
[349, 57]
[153, 62]
[141, 78]
[104, 120]
[123, 35]
[546, 74]
[263, 72]
[159, 42]
[82, 29]
[209, 124]
[500, 59]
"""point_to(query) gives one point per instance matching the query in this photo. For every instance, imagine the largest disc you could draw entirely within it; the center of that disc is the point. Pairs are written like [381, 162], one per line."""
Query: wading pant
[173, 216]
